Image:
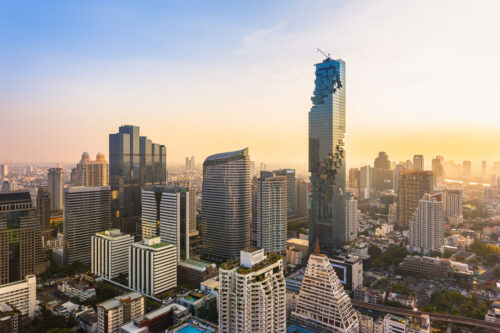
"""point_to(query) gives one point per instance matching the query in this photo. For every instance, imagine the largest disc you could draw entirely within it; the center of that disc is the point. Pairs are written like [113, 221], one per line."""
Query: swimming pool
[189, 329]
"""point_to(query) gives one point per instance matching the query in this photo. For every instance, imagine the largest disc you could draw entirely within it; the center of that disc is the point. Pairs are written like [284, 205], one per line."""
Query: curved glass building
[327, 157]
[226, 200]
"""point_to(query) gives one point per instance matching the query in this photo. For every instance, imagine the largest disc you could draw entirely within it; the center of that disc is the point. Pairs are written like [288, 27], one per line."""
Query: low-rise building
[404, 300]
[426, 266]
[394, 324]
[365, 323]
[10, 318]
[374, 296]
[493, 315]
[113, 313]
[158, 320]
[210, 286]
[200, 305]
[192, 272]
[81, 292]
[20, 295]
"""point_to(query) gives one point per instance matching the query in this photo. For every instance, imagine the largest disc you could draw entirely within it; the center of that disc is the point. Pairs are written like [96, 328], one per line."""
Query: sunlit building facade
[327, 156]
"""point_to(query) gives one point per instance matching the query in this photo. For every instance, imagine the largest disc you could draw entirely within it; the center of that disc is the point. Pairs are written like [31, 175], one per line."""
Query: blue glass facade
[327, 156]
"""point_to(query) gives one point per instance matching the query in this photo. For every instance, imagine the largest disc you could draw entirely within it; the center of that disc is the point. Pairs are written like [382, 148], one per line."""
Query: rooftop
[119, 300]
[232, 155]
[15, 196]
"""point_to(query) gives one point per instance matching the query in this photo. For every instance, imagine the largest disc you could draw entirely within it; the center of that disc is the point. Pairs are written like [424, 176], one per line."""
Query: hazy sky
[203, 77]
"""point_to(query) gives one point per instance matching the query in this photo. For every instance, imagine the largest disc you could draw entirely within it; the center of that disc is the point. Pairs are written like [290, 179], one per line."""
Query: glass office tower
[327, 157]
[134, 162]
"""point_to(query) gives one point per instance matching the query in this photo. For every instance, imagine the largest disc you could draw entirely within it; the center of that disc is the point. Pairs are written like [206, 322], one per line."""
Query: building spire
[316, 247]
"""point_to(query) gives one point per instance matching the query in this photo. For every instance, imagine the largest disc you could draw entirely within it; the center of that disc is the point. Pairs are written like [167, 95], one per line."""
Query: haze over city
[421, 77]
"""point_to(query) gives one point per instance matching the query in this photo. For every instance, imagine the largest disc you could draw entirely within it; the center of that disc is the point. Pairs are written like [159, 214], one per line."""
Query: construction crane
[327, 56]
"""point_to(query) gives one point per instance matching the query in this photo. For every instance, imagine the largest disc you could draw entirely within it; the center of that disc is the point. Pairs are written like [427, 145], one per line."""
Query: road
[433, 316]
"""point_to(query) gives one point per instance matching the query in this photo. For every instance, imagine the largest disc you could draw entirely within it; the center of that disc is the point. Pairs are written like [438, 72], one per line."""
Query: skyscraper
[110, 253]
[21, 250]
[86, 212]
[365, 184]
[134, 161]
[301, 197]
[43, 211]
[413, 185]
[92, 173]
[418, 162]
[4, 171]
[323, 305]
[427, 225]
[452, 203]
[351, 216]
[438, 170]
[252, 294]
[467, 170]
[56, 185]
[327, 157]
[226, 205]
[271, 212]
[382, 173]
[169, 212]
[290, 175]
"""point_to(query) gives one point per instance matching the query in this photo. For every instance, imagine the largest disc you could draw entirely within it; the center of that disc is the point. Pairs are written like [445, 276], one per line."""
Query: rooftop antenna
[326, 55]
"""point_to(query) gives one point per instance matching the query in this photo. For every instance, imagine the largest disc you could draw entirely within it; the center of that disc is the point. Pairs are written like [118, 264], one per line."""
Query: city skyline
[403, 82]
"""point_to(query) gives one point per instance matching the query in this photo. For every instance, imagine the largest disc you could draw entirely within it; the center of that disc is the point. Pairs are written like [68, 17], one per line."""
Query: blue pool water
[189, 329]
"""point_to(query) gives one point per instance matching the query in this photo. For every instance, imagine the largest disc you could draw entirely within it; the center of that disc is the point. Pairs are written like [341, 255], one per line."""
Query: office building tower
[92, 173]
[427, 225]
[252, 294]
[301, 197]
[438, 171]
[56, 185]
[4, 171]
[408, 165]
[21, 249]
[382, 173]
[412, 186]
[169, 212]
[21, 295]
[466, 170]
[152, 266]
[86, 212]
[452, 203]
[365, 182]
[115, 312]
[483, 170]
[43, 211]
[189, 163]
[418, 162]
[110, 253]
[351, 217]
[327, 156]
[353, 178]
[134, 162]
[271, 212]
[323, 305]
[395, 176]
[226, 205]
[290, 175]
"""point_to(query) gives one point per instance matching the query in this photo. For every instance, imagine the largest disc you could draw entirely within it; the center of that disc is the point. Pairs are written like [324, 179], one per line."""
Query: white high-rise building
[92, 173]
[427, 225]
[351, 217]
[365, 182]
[119, 310]
[171, 214]
[271, 212]
[20, 295]
[152, 266]
[323, 305]
[252, 294]
[110, 253]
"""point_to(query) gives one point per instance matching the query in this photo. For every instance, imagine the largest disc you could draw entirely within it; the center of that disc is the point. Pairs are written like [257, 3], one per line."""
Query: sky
[203, 77]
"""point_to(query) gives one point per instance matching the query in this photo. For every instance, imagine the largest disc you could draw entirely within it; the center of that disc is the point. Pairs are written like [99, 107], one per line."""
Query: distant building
[418, 163]
[119, 310]
[438, 171]
[4, 171]
[270, 218]
[366, 186]
[290, 192]
[170, 212]
[301, 197]
[153, 266]
[21, 295]
[56, 185]
[92, 173]
[110, 253]
[427, 225]
[382, 173]
[86, 212]
[351, 217]
[323, 305]
[453, 204]
[364, 294]
[412, 187]
[252, 294]
[466, 170]
[226, 205]
[43, 210]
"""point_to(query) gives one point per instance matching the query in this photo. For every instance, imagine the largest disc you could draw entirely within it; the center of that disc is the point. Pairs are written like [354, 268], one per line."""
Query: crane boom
[323, 53]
